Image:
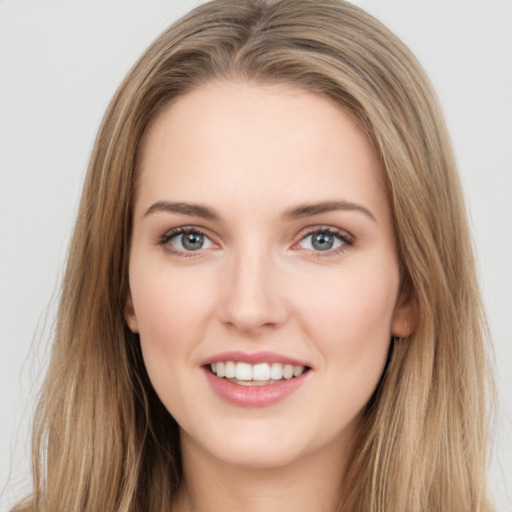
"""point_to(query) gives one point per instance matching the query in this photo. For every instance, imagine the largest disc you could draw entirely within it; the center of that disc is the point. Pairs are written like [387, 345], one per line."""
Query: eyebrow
[310, 209]
[194, 210]
[297, 212]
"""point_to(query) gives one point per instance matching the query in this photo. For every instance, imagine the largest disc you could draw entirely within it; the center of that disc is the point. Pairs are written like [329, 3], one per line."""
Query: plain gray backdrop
[60, 63]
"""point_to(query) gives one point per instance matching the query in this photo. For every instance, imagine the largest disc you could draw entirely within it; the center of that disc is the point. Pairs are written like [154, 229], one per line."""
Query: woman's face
[263, 248]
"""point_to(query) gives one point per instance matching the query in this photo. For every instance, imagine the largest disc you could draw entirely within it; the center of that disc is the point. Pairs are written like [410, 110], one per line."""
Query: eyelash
[184, 230]
[346, 240]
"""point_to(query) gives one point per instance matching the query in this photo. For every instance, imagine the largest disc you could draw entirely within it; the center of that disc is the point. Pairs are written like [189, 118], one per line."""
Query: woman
[270, 298]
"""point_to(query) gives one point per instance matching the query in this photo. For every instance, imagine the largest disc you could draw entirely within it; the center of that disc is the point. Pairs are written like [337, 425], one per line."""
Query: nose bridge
[252, 295]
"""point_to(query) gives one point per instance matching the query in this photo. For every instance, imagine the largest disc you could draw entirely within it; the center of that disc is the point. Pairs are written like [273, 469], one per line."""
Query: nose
[253, 298]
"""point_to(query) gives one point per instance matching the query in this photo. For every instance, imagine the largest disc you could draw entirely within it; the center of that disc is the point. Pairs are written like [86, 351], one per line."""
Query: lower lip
[254, 396]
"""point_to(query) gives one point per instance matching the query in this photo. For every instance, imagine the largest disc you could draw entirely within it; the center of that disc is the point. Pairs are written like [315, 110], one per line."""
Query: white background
[60, 63]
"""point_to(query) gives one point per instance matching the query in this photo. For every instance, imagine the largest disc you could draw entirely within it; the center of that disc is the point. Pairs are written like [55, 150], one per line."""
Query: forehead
[252, 140]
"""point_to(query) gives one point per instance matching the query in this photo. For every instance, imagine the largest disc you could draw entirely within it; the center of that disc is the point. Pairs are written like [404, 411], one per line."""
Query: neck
[314, 482]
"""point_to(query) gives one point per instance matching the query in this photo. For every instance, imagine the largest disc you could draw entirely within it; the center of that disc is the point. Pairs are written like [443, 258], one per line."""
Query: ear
[404, 315]
[129, 314]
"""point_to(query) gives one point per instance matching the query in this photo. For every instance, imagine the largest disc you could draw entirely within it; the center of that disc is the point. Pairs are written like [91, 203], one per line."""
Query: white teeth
[220, 369]
[276, 371]
[230, 370]
[288, 371]
[243, 371]
[261, 372]
[298, 370]
[258, 372]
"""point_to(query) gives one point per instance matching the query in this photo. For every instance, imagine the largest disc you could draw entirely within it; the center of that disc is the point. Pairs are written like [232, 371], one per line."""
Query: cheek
[348, 314]
[171, 308]
[165, 301]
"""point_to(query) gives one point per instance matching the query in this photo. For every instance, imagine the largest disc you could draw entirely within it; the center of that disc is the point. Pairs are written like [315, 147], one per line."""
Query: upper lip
[253, 358]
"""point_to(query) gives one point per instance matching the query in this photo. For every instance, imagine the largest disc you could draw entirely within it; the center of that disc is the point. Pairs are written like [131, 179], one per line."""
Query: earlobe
[404, 316]
[129, 314]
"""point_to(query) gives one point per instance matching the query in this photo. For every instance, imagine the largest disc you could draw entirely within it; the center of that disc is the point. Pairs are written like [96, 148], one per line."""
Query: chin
[265, 444]
[255, 446]
[255, 456]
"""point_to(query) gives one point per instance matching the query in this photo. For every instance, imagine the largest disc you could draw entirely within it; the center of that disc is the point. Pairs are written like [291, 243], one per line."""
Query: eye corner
[183, 247]
[330, 242]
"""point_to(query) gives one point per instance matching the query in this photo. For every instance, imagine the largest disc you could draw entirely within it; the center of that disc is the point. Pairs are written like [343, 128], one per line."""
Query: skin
[251, 153]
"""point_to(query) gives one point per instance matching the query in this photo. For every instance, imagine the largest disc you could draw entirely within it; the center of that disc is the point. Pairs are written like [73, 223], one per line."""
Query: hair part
[423, 442]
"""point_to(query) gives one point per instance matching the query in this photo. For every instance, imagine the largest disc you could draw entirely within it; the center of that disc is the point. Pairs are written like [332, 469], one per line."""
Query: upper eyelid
[347, 240]
[186, 229]
[320, 228]
[166, 237]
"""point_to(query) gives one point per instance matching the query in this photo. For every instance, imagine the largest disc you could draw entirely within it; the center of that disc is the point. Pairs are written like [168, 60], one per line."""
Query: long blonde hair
[102, 439]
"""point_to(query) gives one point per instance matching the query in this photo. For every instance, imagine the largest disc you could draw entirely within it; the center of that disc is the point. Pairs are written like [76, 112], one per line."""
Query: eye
[325, 239]
[183, 240]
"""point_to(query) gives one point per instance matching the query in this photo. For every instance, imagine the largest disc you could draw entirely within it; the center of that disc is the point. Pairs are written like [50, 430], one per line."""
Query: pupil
[322, 241]
[193, 241]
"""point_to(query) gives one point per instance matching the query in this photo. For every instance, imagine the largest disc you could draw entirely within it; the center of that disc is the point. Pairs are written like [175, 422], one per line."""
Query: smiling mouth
[261, 374]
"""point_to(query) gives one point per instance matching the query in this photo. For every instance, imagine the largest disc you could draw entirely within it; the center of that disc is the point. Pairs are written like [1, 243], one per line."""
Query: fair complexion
[262, 229]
